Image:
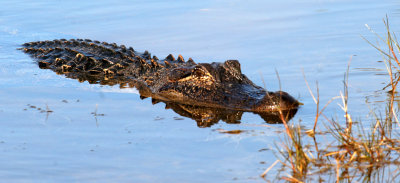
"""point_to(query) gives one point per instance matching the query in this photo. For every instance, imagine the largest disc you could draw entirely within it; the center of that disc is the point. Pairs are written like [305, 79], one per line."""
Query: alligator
[215, 85]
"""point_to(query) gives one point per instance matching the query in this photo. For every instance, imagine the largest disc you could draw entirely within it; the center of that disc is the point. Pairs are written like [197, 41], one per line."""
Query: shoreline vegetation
[358, 151]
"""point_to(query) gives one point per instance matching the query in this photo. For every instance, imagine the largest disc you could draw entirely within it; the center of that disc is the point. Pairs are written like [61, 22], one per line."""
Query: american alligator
[216, 85]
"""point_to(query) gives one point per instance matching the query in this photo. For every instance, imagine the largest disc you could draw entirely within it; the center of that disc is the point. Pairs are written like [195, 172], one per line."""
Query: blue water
[135, 141]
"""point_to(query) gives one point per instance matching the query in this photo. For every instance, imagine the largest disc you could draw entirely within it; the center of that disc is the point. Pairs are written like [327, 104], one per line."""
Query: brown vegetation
[357, 153]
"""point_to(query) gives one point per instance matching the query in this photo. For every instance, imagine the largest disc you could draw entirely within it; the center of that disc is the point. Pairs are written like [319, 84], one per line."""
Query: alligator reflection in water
[204, 116]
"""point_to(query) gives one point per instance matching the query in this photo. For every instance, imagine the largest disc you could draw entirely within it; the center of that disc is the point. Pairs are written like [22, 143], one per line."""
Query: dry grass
[357, 152]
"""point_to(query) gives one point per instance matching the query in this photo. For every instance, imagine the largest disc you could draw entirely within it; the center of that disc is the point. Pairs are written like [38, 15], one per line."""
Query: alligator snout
[274, 101]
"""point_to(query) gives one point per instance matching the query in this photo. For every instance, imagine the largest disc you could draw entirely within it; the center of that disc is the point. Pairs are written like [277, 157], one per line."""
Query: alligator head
[220, 85]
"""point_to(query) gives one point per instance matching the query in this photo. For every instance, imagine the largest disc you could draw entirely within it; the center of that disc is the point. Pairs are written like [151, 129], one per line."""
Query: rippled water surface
[106, 134]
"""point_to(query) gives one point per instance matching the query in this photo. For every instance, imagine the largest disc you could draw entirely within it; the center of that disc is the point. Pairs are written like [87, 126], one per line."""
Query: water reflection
[204, 116]
[207, 116]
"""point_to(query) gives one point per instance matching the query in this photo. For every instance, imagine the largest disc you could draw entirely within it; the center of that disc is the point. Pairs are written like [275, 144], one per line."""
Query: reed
[357, 152]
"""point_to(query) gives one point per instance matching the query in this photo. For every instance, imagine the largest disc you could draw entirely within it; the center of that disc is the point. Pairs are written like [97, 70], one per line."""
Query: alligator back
[96, 61]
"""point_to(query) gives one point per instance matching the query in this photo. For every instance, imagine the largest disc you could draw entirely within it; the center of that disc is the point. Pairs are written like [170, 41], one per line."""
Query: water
[106, 134]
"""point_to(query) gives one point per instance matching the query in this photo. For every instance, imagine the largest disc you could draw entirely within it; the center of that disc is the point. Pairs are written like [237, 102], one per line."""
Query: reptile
[216, 85]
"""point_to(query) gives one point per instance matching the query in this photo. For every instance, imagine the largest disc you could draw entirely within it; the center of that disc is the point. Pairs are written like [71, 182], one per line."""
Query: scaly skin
[216, 85]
